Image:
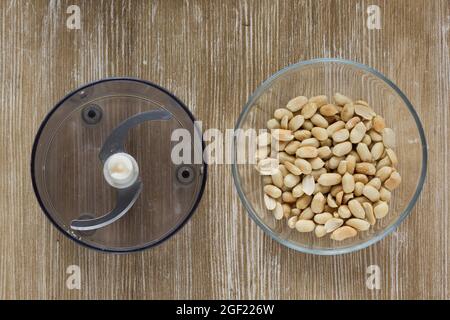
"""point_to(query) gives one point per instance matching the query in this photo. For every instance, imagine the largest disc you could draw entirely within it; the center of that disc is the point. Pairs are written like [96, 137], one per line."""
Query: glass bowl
[357, 81]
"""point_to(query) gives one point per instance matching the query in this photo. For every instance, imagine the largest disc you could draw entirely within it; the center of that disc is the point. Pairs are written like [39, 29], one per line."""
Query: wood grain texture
[213, 55]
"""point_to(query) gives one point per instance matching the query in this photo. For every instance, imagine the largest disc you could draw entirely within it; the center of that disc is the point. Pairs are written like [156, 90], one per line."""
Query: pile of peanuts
[328, 168]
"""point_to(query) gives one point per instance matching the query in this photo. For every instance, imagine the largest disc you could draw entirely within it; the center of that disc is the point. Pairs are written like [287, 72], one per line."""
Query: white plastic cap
[121, 170]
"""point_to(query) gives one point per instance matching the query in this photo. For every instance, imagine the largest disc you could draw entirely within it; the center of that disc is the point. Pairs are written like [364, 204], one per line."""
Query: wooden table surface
[213, 55]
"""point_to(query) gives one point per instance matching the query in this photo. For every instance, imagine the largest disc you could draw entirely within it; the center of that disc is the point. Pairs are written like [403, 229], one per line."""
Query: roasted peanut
[343, 233]
[297, 103]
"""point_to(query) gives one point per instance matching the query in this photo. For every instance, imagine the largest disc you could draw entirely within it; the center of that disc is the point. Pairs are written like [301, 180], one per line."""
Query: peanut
[331, 202]
[307, 152]
[385, 194]
[306, 214]
[340, 135]
[366, 168]
[319, 100]
[272, 191]
[278, 177]
[298, 191]
[359, 177]
[342, 149]
[347, 197]
[308, 125]
[282, 134]
[303, 202]
[301, 135]
[291, 180]
[318, 203]
[392, 156]
[329, 179]
[278, 212]
[273, 124]
[308, 184]
[322, 218]
[297, 103]
[316, 163]
[348, 183]
[303, 165]
[339, 197]
[358, 224]
[368, 209]
[341, 99]
[357, 133]
[292, 168]
[359, 186]
[333, 162]
[292, 147]
[371, 193]
[343, 233]
[351, 163]
[350, 124]
[348, 111]
[344, 212]
[284, 157]
[380, 209]
[367, 140]
[388, 137]
[269, 202]
[324, 152]
[332, 224]
[377, 150]
[284, 122]
[375, 136]
[292, 221]
[280, 113]
[363, 152]
[376, 183]
[320, 231]
[393, 181]
[288, 197]
[378, 124]
[338, 125]
[364, 111]
[328, 110]
[312, 142]
[319, 121]
[308, 110]
[385, 162]
[319, 133]
[296, 122]
[356, 209]
[305, 225]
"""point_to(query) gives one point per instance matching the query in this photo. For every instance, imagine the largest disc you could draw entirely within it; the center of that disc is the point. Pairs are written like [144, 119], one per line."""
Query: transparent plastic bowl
[357, 81]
